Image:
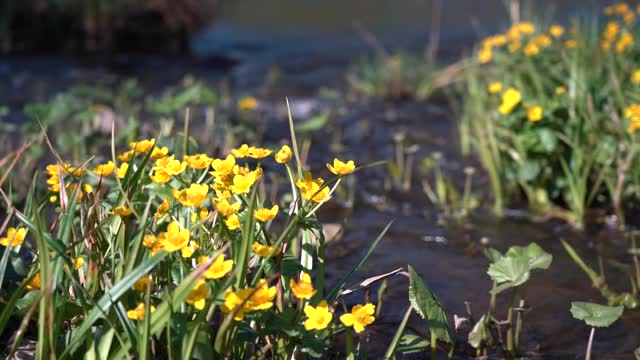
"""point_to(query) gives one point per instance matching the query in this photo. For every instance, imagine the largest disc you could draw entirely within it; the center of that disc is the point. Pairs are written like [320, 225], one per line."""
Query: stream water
[312, 43]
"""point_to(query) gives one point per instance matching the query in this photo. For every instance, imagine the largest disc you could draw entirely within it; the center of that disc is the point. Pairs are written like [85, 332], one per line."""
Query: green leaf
[410, 343]
[480, 333]
[594, 314]
[537, 258]
[428, 307]
[528, 170]
[314, 123]
[492, 254]
[514, 270]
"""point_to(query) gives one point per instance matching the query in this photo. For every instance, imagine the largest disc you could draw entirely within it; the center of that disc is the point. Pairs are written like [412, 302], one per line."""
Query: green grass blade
[396, 338]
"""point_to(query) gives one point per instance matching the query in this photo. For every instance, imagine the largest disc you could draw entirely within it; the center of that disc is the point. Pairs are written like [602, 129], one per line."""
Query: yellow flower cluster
[632, 113]
[510, 99]
[623, 10]
[249, 300]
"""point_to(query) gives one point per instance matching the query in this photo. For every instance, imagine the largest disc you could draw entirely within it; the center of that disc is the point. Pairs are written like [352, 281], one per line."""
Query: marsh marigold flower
[310, 188]
[219, 268]
[142, 146]
[122, 170]
[570, 44]
[126, 156]
[635, 77]
[556, 30]
[319, 317]
[531, 49]
[159, 153]
[494, 87]
[34, 283]
[360, 317]
[234, 302]
[485, 55]
[232, 222]
[121, 211]
[262, 298]
[14, 236]
[162, 209]
[303, 289]
[187, 251]
[534, 113]
[174, 239]
[247, 103]
[510, 98]
[194, 195]
[224, 208]
[283, 155]
[242, 183]
[224, 167]
[243, 151]
[265, 214]
[104, 169]
[138, 313]
[263, 250]
[198, 161]
[143, 283]
[340, 168]
[198, 295]
[259, 153]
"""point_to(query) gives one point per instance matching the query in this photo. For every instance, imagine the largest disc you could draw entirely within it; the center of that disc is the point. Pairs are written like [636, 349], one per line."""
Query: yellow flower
[340, 168]
[624, 42]
[514, 46]
[34, 283]
[218, 269]
[77, 263]
[263, 250]
[635, 77]
[561, 90]
[162, 209]
[510, 99]
[159, 153]
[104, 169]
[138, 312]
[14, 236]
[242, 183]
[234, 300]
[122, 170]
[247, 103]
[225, 209]
[194, 195]
[242, 151]
[284, 155]
[494, 87]
[360, 317]
[198, 295]
[174, 239]
[265, 214]
[310, 188]
[542, 40]
[203, 213]
[485, 55]
[170, 165]
[303, 289]
[259, 153]
[633, 127]
[570, 44]
[198, 161]
[232, 222]
[526, 28]
[143, 146]
[160, 177]
[531, 49]
[534, 113]
[126, 156]
[223, 167]
[188, 250]
[262, 298]
[121, 211]
[149, 241]
[319, 317]
[556, 30]
[143, 283]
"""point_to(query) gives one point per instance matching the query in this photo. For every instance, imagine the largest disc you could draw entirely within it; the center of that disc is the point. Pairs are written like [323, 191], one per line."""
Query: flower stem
[510, 321]
[590, 345]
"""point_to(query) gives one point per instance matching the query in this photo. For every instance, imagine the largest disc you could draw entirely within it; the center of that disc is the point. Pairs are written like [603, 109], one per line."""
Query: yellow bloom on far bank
[283, 155]
[556, 30]
[510, 98]
[14, 236]
[570, 44]
[485, 55]
[303, 289]
[534, 113]
[138, 313]
[360, 317]
[265, 214]
[531, 49]
[104, 169]
[218, 269]
[174, 239]
[198, 295]
[560, 90]
[194, 195]
[247, 103]
[319, 317]
[340, 168]
[494, 87]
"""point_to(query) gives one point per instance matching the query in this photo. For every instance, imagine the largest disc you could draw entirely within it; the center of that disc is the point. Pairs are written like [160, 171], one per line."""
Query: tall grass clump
[157, 250]
[552, 113]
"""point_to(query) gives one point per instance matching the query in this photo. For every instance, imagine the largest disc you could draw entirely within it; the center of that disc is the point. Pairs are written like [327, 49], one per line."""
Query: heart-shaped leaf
[594, 314]
[537, 258]
[428, 307]
[510, 269]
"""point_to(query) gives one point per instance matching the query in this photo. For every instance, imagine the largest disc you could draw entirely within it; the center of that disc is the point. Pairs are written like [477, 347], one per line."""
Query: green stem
[350, 353]
[519, 322]
[590, 345]
[510, 321]
[434, 346]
